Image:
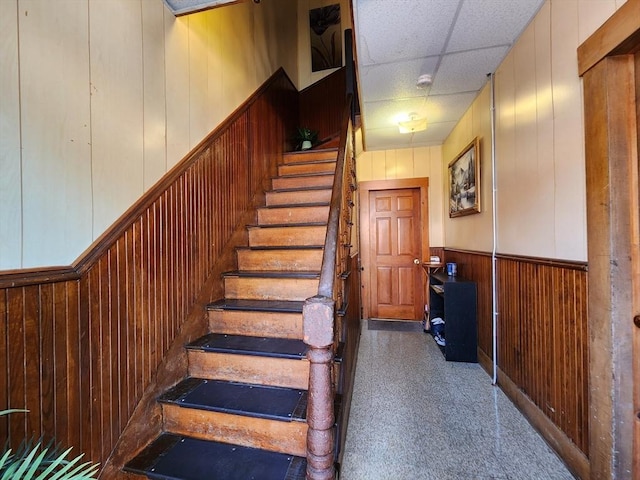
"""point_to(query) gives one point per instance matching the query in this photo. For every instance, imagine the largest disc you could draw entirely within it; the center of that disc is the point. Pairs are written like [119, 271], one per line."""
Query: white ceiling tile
[398, 40]
[466, 71]
[473, 25]
[395, 80]
[448, 108]
[392, 30]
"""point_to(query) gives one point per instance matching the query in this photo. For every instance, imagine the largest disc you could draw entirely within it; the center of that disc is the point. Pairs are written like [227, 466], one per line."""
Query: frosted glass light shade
[413, 125]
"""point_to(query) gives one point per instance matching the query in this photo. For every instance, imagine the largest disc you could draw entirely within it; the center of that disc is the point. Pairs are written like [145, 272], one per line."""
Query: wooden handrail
[319, 312]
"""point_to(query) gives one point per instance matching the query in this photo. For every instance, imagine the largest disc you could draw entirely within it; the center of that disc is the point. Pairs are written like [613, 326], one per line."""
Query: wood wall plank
[542, 332]
[81, 347]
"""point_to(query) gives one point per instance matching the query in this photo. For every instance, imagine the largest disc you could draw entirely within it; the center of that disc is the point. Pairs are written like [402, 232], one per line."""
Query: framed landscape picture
[464, 181]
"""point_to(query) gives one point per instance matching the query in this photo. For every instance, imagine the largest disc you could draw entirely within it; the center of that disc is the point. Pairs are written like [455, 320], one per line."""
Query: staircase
[241, 413]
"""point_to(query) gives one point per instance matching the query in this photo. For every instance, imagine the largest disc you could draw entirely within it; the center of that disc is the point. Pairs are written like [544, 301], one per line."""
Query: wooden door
[395, 253]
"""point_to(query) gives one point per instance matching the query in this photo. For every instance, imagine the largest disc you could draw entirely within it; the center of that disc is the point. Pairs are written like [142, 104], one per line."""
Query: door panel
[397, 288]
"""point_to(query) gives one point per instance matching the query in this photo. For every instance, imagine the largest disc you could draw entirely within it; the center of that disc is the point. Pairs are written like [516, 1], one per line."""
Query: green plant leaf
[13, 410]
[24, 463]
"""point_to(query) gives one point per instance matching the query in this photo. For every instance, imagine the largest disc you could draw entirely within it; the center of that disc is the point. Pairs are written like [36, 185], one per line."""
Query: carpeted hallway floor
[416, 416]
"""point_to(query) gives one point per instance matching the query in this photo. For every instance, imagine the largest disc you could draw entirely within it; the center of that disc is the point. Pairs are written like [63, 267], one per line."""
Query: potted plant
[305, 138]
[32, 460]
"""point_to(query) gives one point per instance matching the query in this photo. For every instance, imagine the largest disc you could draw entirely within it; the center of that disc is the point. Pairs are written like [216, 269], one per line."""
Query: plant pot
[306, 145]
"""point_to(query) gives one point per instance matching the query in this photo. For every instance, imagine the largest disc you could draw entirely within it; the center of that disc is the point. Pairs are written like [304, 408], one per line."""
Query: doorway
[395, 241]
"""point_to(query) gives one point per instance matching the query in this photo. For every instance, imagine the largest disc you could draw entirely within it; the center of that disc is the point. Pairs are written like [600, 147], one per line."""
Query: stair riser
[280, 372]
[273, 435]
[297, 169]
[261, 324]
[271, 216]
[299, 197]
[312, 156]
[295, 289]
[283, 260]
[287, 236]
[281, 183]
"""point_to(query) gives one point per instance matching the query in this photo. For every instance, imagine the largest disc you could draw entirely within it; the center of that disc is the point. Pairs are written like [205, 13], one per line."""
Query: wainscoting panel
[542, 332]
[316, 111]
[81, 344]
[477, 267]
[543, 340]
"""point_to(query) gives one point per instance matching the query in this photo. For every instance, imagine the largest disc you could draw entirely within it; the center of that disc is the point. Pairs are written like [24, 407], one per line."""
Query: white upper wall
[408, 163]
[98, 99]
[541, 197]
[305, 76]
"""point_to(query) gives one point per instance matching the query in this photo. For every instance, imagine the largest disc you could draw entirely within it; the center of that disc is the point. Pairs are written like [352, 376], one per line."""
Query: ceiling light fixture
[414, 124]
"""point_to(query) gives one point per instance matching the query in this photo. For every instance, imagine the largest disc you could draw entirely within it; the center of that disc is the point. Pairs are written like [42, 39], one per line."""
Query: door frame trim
[396, 184]
[609, 64]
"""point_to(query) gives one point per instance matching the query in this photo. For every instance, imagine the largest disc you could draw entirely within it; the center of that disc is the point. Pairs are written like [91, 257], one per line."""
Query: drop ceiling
[457, 42]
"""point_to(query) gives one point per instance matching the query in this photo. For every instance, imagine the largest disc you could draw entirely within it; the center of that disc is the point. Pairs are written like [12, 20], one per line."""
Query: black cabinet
[454, 300]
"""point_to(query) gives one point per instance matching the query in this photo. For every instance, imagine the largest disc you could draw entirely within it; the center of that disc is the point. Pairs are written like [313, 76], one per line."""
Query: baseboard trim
[576, 460]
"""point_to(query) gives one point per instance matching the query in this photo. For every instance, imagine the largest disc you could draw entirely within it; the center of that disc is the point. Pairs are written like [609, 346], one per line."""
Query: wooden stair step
[303, 258]
[310, 155]
[281, 235]
[267, 318]
[259, 416]
[247, 345]
[279, 214]
[324, 166]
[246, 358]
[267, 285]
[181, 458]
[297, 196]
[304, 180]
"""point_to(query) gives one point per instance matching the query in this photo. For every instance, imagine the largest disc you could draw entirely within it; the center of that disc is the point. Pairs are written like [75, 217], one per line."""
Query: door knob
[416, 261]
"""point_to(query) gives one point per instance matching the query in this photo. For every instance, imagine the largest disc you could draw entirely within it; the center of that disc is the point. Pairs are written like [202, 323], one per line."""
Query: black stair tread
[271, 274]
[246, 345]
[251, 400]
[173, 457]
[283, 306]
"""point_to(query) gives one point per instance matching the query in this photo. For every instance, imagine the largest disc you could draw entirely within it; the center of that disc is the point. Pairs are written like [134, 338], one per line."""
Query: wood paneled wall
[542, 332]
[477, 267]
[81, 344]
[321, 104]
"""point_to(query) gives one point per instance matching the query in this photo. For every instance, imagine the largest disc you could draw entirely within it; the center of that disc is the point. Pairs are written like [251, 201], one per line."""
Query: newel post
[317, 318]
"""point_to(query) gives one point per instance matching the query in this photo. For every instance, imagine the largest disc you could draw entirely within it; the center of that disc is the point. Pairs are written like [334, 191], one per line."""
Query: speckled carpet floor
[416, 416]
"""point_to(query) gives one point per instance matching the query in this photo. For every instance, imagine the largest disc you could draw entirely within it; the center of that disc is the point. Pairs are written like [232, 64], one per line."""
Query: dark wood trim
[609, 64]
[551, 262]
[619, 35]
[37, 276]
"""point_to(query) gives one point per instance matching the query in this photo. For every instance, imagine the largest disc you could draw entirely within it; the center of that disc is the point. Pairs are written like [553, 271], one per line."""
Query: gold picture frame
[464, 181]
